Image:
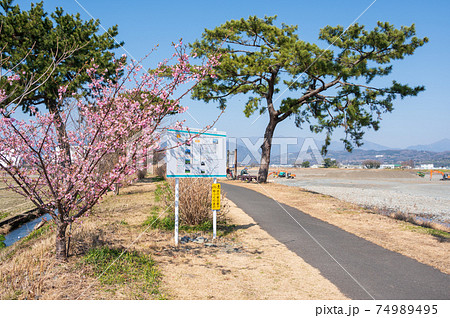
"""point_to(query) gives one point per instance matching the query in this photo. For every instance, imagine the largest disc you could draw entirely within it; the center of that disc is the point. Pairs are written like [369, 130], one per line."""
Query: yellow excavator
[444, 175]
[282, 174]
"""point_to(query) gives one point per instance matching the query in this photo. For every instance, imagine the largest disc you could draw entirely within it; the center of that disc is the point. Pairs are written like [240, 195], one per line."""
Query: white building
[427, 166]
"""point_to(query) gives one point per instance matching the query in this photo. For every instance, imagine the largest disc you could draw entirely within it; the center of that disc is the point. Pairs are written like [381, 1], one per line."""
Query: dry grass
[12, 203]
[194, 200]
[392, 234]
[261, 268]
[247, 264]
[32, 273]
[28, 270]
[439, 229]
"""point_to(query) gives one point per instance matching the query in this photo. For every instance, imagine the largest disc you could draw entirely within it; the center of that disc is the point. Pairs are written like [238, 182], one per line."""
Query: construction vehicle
[282, 174]
[444, 175]
[245, 176]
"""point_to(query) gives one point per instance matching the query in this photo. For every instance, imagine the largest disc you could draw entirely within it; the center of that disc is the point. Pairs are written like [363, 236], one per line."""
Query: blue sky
[419, 120]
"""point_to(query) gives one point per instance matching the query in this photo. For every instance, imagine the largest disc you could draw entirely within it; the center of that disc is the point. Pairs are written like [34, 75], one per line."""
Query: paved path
[359, 268]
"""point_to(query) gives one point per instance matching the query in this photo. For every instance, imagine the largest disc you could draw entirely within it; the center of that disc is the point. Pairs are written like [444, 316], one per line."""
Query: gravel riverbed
[399, 192]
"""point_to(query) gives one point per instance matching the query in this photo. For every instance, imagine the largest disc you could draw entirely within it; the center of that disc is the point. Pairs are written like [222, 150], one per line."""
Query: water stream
[23, 230]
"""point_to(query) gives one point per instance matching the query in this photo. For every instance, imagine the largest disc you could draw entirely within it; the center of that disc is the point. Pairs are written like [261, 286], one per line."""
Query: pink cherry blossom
[65, 162]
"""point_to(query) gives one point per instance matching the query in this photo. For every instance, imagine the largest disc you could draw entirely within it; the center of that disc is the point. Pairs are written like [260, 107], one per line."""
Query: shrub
[371, 164]
[141, 174]
[194, 200]
[305, 164]
[330, 163]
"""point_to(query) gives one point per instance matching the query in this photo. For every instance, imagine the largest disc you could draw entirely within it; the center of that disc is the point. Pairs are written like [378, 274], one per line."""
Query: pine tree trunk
[61, 129]
[61, 254]
[265, 154]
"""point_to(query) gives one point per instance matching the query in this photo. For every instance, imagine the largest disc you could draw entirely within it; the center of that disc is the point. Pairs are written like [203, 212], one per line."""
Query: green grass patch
[13, 295]
[164, 223]
[427, 230]
[35, 234]
[203, 227]
[4, 215]
[157, 179]
[167, 223]
[155, 209]
[2, 244]
[132, 269]
[163, 191]
[158, 193]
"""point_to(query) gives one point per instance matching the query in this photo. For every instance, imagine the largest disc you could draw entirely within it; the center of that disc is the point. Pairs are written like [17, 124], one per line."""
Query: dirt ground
[389, 233]
[245, 264]
[12, 203]
[358, 174]
[254, 266]
[385, 189]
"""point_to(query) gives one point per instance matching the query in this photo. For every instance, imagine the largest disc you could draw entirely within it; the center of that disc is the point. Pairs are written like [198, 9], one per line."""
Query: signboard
[215, 200]
[201, 157]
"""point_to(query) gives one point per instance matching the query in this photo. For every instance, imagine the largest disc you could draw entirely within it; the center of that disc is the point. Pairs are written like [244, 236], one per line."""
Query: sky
[416, 120]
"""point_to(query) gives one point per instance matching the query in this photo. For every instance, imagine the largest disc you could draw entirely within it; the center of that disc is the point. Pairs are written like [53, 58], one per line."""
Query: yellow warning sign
[215, 200]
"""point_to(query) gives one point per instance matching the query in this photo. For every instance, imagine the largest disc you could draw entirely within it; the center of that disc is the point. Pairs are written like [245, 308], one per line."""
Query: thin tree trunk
[61, 254]
[60, 245]
[265, 154]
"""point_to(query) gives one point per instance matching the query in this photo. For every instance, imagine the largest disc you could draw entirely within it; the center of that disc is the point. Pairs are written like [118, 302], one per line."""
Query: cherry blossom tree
[57, 160]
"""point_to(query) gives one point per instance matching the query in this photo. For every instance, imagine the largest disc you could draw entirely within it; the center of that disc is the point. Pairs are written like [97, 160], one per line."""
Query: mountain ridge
[442, 145]
[438, 146]
[371, 150]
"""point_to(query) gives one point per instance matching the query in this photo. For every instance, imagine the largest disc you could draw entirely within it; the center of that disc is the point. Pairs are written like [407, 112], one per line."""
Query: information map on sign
[202, 156]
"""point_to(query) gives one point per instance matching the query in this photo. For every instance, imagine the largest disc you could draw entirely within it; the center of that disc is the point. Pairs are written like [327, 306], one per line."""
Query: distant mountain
[356, 157]
[393, 156]
[250, 153]
[438, 146]
[334, 146]
[368, 145]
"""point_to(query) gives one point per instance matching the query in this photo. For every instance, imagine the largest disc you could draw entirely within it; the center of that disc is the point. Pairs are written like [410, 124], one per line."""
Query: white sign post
[177, 199]
[202, 156]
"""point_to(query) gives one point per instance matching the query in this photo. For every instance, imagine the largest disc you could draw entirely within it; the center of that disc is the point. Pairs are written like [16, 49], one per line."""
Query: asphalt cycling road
[359, 268]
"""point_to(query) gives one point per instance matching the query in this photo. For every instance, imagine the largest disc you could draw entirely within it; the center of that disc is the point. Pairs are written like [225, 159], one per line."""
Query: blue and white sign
[203, 156]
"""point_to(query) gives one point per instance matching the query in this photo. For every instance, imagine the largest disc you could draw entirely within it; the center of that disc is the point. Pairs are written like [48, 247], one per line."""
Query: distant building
[352, 166]
[427, 166]
[387, 166]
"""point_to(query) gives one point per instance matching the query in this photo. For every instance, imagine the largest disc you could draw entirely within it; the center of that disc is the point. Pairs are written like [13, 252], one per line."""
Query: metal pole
[235, 162]
[214, 218]
[177, 196]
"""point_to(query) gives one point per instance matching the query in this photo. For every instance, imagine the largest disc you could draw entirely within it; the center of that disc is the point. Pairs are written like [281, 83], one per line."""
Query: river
[23, 230]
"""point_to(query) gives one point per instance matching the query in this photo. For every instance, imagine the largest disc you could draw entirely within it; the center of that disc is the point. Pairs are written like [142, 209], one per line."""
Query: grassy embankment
[124, 225]
[12, 203]
[28, 269]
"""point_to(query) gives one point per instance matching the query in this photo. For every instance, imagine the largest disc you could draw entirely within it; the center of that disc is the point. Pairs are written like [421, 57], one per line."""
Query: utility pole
[235, 162]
